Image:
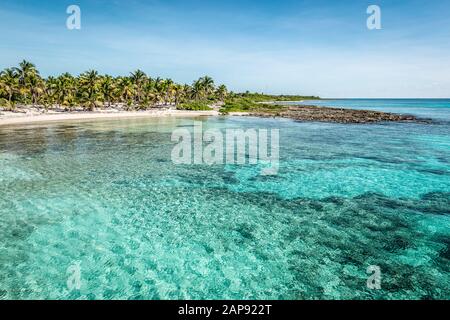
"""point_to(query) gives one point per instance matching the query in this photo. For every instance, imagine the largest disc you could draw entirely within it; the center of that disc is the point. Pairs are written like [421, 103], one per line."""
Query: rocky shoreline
[335, 115]
[299, 113]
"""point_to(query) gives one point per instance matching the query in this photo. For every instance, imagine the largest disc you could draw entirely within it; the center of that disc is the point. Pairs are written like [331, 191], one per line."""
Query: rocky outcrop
[337, 115]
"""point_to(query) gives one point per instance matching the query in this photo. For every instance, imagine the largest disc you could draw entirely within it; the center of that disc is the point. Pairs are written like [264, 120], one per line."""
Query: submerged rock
[338, 115]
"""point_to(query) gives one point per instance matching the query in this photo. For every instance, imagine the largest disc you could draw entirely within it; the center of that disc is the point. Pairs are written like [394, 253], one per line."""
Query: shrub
[194, 106]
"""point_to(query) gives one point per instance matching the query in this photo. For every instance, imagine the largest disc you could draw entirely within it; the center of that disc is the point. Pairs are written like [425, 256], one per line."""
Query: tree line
[23, 85]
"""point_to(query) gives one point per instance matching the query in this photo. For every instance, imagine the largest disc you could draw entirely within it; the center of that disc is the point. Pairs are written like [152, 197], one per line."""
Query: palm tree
[138, 78]
[125, 90]
[50, 91]
[197, 90]
[221, 92]
[208, 85]
[37, 88]
[169, 91]
[26, 70]
[89, 86]
[64, 90]
[187, 92]
[179, 93]
[107, 88]
[9, 83]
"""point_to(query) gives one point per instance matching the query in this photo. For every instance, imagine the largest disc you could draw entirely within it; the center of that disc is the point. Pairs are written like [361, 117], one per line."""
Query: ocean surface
[97, 210]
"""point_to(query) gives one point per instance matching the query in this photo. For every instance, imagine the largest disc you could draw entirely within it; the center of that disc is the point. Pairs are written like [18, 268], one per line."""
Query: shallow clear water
[106, 195]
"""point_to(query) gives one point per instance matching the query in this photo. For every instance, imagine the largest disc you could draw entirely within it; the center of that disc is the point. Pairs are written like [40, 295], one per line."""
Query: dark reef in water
[336, 115]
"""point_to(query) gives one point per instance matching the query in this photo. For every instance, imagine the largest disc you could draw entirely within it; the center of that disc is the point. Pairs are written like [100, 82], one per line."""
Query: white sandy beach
[10, 118]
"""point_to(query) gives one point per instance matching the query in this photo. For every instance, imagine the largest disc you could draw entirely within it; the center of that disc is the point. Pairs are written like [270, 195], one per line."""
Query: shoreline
[13, 119]
[299, 113]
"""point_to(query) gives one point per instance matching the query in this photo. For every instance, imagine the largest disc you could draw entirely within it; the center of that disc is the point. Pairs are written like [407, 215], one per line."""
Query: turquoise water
[437, 109]
[106, 195]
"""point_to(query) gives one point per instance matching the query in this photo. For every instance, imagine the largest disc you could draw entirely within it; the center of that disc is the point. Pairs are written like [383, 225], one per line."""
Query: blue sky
[314, 47]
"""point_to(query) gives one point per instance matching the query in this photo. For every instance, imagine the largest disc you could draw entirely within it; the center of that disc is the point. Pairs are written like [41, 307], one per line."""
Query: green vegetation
[261, 97]
[194, 106]
[257, 102]
[24, 86]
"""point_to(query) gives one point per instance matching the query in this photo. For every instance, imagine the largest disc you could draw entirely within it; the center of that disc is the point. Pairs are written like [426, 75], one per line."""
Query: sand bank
[9, 118]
